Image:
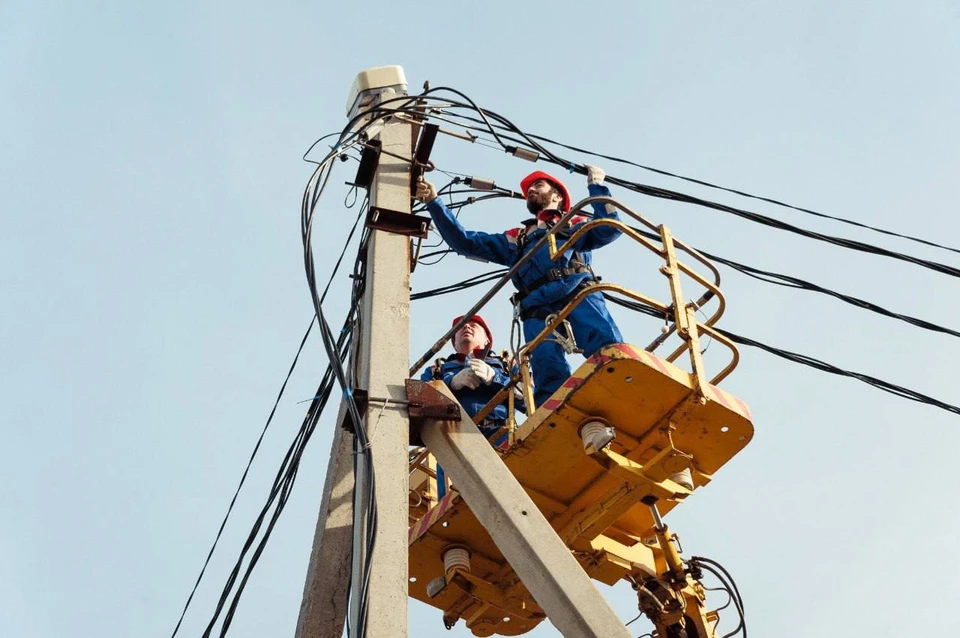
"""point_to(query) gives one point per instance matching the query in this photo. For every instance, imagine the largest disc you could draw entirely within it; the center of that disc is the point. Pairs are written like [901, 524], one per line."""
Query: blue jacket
[506, 248]
[474, 400]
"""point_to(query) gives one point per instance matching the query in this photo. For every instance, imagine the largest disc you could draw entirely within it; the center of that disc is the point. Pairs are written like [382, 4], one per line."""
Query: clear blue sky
[150, 183]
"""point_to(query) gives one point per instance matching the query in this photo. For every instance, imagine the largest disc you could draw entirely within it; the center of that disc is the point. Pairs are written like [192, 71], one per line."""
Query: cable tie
[572, 168]
[347, 392]
[366, 447]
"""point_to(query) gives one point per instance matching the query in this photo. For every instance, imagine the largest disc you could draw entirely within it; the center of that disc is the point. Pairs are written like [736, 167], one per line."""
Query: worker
[475, 374]
[544, 286]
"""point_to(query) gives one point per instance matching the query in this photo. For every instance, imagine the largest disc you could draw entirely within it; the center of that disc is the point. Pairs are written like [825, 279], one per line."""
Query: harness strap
[577, 266]
[543, 313]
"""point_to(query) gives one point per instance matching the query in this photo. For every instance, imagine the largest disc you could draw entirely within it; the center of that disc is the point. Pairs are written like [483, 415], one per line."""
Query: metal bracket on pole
[398, 222]
[425, 402]
[369, 161]
[360, 398]
[421, 156]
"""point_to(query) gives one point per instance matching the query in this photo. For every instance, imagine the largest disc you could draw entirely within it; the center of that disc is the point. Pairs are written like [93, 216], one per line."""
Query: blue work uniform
[474, 399]
[545, 285]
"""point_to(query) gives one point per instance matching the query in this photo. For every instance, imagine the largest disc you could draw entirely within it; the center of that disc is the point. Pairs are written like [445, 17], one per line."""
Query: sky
[154, 294]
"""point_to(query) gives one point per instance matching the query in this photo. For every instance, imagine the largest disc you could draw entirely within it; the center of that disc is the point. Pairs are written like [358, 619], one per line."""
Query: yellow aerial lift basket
[628, 437]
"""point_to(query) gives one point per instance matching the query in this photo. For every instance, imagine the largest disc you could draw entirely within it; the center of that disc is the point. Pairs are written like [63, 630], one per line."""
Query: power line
[734, 191]
[806, 360]
[283, 484]
[644, 189]
[765, 276]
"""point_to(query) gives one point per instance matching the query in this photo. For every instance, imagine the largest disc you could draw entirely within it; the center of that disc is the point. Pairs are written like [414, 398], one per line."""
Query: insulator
[480, 183]
[523, 153]
[456, 559]
[596, 434]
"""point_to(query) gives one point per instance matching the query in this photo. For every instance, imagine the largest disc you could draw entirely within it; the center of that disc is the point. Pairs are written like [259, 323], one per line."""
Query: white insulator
[684, 478]
[456, 559]
[596, 435]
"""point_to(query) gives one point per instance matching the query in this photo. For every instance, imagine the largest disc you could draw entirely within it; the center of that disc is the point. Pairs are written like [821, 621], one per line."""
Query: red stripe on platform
[599, 359]
[431, 517]
[656, 362]
[628, 350]
[551, 404]
[717, 395]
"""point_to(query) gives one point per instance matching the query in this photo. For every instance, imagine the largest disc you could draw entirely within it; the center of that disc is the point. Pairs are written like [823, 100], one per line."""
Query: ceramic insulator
[456, 558]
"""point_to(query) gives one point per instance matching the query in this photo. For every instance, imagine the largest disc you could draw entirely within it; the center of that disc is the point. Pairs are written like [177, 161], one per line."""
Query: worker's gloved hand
[466, 378]
[595, 174]
[483, 370]
[426, 192]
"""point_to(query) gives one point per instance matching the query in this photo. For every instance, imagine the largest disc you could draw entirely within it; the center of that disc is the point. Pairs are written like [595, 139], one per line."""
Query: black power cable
[729, 585]
[766, 276]
[664, 193]
[880, 384]
[707, 184]
[462, 285]
[336, 351]
[243, 478]
[789, 281]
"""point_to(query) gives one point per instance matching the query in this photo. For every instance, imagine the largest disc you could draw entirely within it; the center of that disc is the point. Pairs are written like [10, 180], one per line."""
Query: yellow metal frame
[684, 324]
[593, 502]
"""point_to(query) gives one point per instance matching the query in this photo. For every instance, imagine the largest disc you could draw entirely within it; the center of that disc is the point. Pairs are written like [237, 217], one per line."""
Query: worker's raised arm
[601, 235]
[487, 246]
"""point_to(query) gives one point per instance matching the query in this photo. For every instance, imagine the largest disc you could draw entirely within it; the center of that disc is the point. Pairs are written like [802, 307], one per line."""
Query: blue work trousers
[593, 328]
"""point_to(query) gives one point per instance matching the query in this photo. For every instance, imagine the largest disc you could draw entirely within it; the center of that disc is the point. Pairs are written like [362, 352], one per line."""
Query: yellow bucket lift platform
[603, 497]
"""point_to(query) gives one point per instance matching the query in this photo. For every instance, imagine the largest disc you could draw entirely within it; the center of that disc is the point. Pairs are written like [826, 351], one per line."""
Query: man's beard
[537, 202]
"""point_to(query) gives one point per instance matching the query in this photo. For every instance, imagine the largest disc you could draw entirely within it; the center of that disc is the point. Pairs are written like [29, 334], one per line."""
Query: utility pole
[382, 359]
[324, 605]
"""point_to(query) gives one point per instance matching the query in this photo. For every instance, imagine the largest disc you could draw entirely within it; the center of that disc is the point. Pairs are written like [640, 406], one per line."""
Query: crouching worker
[475, 375]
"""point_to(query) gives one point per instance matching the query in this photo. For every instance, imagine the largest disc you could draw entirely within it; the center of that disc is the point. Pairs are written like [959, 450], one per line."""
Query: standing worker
[544, 286]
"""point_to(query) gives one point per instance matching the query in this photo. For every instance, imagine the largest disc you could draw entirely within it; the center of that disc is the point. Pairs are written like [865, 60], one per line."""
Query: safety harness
[577, 265]
[496, 361]
[490, 358]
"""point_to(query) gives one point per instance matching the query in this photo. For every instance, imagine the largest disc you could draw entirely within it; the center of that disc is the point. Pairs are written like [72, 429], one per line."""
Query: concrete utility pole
[383, 333]
[324, 605]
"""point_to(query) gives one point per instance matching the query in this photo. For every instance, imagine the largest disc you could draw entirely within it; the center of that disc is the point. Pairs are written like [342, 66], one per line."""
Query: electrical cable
[243, 478]
[681, 197]
[729, 584]
[880, 384]
[734, 191]
[461, 285]
[789, 282]
[284, 482]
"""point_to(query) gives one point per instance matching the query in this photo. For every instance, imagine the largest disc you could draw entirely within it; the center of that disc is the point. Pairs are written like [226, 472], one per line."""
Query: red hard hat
[535, 175]
[477, 319]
